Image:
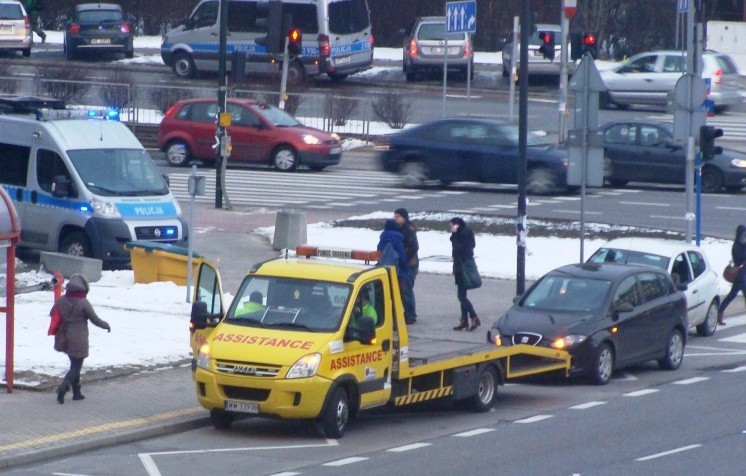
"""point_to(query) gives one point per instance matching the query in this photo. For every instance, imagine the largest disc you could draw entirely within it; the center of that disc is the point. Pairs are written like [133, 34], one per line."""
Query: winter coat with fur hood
[75, 312]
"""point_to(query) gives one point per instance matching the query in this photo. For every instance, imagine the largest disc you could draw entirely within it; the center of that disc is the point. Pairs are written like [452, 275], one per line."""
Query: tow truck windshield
[293, 304]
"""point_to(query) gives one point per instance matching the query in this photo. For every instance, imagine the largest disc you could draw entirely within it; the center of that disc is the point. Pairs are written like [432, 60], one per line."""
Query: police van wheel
[184, 66]
[285, 159]
[76, 244]
[337, 414]
[221, 419]
[486, 390]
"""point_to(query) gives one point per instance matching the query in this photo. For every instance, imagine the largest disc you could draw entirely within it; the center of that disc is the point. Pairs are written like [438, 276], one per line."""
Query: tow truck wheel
[486, 391]
[337, 414]
[221, 419]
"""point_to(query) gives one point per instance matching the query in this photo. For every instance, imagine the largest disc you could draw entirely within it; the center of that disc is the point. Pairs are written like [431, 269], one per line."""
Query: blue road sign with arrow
[461, 17]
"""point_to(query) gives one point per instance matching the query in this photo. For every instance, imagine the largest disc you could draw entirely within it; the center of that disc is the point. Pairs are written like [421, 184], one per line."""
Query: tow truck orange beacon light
[339, 253]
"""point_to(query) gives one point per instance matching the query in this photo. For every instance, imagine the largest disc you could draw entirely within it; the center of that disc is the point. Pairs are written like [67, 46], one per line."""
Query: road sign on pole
[461, 17]
[570, 7]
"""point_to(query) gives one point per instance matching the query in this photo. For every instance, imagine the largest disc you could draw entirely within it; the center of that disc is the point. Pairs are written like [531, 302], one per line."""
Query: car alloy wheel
[414, 173]
[707, 328]
[674, 351]
[540, 181]
[603, 365]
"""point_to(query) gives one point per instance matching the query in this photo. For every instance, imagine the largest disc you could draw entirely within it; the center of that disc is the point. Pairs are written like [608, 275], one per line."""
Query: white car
[15, 28]
[687, 264]
[647, 78]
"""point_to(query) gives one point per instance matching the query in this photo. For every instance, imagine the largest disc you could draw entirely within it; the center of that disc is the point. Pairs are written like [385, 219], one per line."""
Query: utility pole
[222, 93]
[520, 224]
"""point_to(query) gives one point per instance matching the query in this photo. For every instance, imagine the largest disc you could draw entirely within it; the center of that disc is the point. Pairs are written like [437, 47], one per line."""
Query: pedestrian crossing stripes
[734, 127]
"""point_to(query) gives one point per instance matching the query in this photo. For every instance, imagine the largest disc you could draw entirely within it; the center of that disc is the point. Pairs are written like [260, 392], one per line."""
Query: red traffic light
[589, 39]
[546, 37]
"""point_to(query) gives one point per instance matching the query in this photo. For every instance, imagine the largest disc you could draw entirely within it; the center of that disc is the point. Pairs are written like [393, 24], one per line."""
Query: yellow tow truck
[321, 336]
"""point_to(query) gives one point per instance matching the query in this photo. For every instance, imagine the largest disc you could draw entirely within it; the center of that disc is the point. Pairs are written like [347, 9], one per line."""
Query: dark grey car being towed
[608, 316]
[473, 150]
[99, 28]
[644, 151]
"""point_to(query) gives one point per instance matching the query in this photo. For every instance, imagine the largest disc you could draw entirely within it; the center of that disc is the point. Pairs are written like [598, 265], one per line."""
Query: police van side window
[205, 15]
[14, 169]
[348, 16]
[48, 166]
[242, 17]
[304, 17]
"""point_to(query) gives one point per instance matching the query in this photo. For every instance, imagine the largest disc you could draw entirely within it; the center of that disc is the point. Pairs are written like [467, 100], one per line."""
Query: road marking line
[584, 406]
[534, 419]
[577, 212]
[740, 338]
[666, 217]
[667, 453]
[640, 393]
[692, 380]
[478, 431]
[740, 209]
[286, 473]
[413, 446]
[737, 369]
[646, 204]
[346, 461]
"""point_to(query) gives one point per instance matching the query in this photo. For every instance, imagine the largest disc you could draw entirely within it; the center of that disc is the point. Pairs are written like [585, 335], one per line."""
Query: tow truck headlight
[203, 358]
[306, 366]
[311, 139]
[105, 209]
[568, 342]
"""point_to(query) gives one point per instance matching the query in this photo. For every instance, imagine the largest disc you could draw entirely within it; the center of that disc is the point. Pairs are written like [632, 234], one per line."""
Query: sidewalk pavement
[122, 409]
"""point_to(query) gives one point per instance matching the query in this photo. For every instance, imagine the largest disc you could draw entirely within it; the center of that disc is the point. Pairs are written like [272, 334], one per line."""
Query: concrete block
[68, 265]
[291, 229]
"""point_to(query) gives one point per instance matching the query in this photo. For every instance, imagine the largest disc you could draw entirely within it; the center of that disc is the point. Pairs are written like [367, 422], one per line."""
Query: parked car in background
[644, 151]
[647, 78]
[472, 150]
[260, 133]
[97, 28]
[537, 64]
[608, 316]
[424, 49]
[15, 28]
[687, 264]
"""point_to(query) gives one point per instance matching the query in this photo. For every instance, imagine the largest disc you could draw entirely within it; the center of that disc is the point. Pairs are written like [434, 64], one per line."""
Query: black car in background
[608, 316]
[99, 28]
[644, 151]
[473, 150]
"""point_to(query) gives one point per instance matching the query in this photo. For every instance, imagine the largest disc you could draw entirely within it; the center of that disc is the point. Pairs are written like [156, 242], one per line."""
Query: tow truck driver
[363, 309]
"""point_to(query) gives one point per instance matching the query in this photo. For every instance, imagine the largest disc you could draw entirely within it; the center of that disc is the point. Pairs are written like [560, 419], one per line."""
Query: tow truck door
[208, 290]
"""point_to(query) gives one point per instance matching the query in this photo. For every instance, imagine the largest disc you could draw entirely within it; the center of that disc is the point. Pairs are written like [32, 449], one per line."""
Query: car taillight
[27, 20]
[74, 28]
[169, 111]
[717, 76]
[124, 28]
[467, 48]
[413, 50]
[371, 41]
[324, 47]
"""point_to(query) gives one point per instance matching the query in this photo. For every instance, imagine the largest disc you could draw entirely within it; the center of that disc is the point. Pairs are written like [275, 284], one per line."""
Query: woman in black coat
[738, 254]
[463, 243]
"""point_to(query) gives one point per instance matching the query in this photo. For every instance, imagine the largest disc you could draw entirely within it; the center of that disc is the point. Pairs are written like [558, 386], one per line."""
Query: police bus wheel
[484, 399]
[76, 244]
[337, 414]
[184, 66]
[221, 419]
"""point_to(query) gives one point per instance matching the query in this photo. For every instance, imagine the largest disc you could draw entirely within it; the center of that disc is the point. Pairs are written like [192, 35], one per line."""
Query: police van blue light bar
[57, 114]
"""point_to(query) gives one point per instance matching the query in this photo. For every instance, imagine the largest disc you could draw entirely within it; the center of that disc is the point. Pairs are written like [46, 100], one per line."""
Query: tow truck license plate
[242, 407]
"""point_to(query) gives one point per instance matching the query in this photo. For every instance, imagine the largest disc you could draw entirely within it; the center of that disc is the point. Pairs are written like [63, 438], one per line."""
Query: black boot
[474, 323]
[76, 393]
[61, 391]
[463, 324]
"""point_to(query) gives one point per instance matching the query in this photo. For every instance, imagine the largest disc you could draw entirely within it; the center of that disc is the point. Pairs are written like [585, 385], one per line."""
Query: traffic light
[273, 41]
[547, 44]
[295, 42]
[590, 44]
[576, 46]
[707, 136]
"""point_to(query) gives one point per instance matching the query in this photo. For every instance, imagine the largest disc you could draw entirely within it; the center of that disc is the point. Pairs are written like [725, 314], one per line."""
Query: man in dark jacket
[411, 248]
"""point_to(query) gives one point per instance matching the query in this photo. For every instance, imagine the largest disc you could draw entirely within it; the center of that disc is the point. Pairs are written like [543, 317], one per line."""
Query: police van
[336, 38]
[81, 184]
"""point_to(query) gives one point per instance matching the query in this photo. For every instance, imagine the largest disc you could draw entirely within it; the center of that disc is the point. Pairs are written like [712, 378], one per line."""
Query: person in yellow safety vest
[253, 305]
[363, 308]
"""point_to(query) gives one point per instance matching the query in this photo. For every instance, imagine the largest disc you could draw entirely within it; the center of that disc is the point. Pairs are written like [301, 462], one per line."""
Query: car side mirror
[200, 318]
[682, 286]
[622, 307]
[63, 18]
[516, 299]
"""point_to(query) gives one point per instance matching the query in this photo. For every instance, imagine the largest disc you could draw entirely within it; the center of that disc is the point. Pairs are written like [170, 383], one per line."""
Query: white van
[336, 38]
[84, 186]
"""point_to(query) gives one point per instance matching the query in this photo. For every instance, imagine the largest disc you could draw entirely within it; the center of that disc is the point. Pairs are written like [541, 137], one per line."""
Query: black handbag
[470, 274]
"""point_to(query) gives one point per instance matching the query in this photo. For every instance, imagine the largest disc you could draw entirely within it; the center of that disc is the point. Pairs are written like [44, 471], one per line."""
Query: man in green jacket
[33, 8]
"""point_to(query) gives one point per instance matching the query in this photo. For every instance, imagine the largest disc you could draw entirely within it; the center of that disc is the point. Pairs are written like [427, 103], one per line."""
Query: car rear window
[99, 16]
[10, 11]
[615, 255]
[436, 32]
[726, 64]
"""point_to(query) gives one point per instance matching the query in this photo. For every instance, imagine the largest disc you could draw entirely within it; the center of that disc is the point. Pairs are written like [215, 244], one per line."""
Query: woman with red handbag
[738, 254]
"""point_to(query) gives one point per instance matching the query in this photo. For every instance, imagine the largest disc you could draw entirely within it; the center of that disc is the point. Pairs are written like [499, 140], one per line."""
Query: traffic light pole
[222, 93]
[564, 53]
[520, 224]
[284, 79]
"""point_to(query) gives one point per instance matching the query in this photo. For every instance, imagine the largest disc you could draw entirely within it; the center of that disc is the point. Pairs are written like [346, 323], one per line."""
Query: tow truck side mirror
[200, 318]
[365, 333]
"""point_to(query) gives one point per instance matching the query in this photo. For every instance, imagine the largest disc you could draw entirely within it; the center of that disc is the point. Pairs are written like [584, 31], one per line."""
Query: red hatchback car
[260, 133]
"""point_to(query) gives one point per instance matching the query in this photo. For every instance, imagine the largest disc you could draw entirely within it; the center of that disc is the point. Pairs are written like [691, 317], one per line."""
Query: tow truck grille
[240, 368]
[242, 393]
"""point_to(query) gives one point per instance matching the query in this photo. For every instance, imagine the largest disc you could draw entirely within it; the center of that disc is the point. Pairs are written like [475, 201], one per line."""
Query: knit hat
[402, 212]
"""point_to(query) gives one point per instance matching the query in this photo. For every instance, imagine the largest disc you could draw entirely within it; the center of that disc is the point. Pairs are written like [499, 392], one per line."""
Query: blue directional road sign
[461, 17]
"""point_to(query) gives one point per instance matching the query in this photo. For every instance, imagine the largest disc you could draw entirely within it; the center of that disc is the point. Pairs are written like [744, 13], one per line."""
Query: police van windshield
[348, 16]
[118, 172]
[293, 304]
